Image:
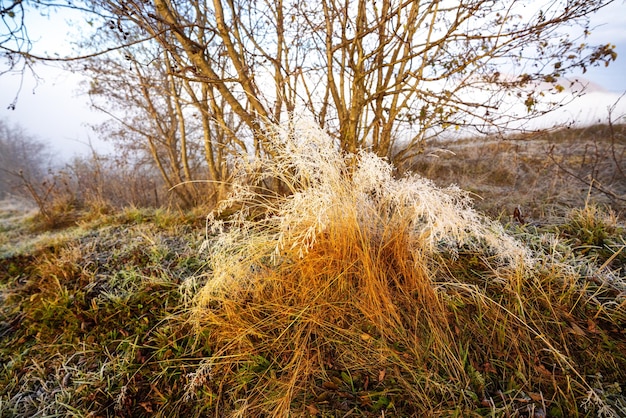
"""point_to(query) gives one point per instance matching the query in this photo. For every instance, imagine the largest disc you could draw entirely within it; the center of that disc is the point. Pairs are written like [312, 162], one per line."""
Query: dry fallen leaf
[488, 368]
[576, 330]
[147, 406]
[365, 400]
[330, 385]
[323, 397]
[542, 369]
[591, 326]
[381, 376]
[312, 409]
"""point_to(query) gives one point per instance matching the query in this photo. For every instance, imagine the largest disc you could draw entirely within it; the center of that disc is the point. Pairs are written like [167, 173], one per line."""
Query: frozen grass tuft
[331, 276]
[328, 196]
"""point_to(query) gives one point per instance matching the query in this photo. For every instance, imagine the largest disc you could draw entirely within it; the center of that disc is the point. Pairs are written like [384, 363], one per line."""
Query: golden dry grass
[394, 285]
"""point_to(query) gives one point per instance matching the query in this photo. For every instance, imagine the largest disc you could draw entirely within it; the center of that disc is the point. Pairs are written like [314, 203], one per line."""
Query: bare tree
[21, 157]
[183, 125]
[383, 75]
[398, 71]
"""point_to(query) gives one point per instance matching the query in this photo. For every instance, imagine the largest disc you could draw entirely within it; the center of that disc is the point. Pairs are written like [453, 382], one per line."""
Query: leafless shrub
[93, 184]
[600, 165]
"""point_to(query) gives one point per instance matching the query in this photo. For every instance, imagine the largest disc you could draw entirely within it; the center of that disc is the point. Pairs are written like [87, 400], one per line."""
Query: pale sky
[54, 110]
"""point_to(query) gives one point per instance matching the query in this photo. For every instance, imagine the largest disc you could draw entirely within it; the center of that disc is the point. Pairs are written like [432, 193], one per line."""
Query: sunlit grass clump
[357, 291]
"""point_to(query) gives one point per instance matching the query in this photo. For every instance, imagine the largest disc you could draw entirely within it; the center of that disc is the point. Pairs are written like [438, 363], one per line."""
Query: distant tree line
[21, 156]
[91, 182]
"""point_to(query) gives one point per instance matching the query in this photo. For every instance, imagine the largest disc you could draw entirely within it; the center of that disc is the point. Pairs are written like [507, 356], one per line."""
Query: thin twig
[592, 183]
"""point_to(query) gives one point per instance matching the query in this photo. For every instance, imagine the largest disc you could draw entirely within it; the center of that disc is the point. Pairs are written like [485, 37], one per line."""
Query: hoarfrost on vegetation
[329, 189]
